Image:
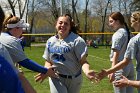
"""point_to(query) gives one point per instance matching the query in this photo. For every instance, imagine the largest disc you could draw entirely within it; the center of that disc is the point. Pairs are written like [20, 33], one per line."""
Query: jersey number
[58, 58]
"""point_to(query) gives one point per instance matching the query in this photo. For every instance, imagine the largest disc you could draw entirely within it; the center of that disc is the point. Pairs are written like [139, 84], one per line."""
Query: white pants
[128, 72]
[64, 85]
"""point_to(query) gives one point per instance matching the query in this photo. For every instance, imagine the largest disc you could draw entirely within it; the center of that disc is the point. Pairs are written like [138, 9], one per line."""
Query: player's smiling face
[63, 26]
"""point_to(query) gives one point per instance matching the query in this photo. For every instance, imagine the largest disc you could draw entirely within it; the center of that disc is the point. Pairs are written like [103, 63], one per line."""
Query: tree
[135, 5]
[18, 7]
[86, 14]
[104, 17]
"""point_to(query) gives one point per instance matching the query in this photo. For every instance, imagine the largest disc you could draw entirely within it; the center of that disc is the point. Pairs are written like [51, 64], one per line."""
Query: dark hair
[72, 24]
[2, 16]
[118, 16]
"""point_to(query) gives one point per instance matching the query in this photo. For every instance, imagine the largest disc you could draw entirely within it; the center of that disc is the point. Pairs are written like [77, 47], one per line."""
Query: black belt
[69, 76]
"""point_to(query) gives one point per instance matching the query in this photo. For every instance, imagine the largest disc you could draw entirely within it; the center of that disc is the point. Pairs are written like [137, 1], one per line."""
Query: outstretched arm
[86, 69]
[29, 64]
[118, 66]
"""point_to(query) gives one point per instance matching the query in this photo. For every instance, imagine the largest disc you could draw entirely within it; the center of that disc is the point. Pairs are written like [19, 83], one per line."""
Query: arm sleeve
[118, 41]
[29, 64]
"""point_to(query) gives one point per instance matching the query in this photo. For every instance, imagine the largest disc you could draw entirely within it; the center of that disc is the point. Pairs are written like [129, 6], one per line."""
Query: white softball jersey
[133, 50]
[66, 54]
[13, 46]
[119, 42]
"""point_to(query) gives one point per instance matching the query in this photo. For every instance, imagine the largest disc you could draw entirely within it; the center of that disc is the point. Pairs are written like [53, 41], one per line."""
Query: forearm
[115, 57]
[113, 63]
[29, 64]
[135, 84]
[118, 66]
[85, 67]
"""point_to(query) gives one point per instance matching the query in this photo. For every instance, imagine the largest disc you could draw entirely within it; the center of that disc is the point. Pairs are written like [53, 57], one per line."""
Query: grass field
[98, 59]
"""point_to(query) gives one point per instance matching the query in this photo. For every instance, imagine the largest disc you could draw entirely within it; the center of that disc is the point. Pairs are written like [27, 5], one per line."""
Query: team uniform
[13, 45]
[119, 42]
[9, 81]
[133, 51]
[65, 55]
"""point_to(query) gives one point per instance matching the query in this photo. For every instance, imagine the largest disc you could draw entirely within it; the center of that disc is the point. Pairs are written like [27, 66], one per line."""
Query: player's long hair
[73, 28]
[2, 16]
[118, 16]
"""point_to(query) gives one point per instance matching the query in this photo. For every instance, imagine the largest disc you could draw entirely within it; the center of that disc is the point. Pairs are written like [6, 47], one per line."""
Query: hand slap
[102, 74]
[50, 73]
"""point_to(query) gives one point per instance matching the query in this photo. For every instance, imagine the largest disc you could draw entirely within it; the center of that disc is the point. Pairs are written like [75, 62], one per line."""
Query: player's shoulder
[136, 38]
[121, 33]
[76, 37]
[7, 38]
[52, 38]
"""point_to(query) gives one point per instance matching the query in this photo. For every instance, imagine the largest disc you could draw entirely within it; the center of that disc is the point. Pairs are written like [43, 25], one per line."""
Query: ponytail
[128, 32]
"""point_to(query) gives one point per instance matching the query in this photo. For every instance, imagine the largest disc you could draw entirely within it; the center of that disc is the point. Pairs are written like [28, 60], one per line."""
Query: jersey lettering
[58, 49]
[58, 52]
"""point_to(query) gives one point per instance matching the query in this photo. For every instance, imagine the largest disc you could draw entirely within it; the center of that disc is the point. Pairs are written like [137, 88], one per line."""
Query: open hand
[111, 77]
[50, 73]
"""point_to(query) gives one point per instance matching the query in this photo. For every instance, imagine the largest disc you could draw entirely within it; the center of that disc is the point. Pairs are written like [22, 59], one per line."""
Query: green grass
[98, 59]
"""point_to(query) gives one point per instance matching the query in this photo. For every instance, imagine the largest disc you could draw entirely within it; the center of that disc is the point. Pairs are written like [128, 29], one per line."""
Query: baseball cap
[21, 24]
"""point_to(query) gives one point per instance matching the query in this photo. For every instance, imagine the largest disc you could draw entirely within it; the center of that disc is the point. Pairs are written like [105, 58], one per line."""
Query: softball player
[119, 43]
[10, 39]
[8, 73]
[133, 50]
[67, 53]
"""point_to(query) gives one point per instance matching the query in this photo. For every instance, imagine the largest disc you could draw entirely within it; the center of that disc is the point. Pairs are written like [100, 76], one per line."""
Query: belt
[69, 76]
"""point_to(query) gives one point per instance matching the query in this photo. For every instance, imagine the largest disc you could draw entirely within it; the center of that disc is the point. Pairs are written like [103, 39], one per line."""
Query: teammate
[66, 52]
[119, 44]
[11, 81]
[133, 50]
[7, 15]
[8, 67]
[10, 38]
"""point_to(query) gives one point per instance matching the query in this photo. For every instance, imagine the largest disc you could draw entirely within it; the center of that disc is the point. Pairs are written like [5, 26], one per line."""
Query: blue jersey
[9, 81]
